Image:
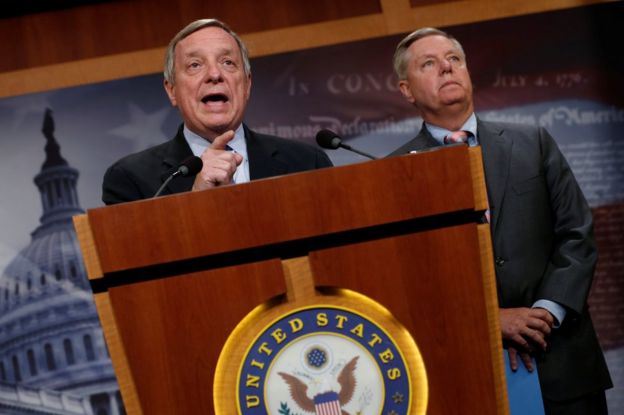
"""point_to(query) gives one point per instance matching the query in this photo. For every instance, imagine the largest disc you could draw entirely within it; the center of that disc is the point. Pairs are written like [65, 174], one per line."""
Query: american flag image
[327, 404]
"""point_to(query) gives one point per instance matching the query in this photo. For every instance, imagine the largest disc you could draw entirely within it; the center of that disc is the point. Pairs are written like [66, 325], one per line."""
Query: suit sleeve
[569, 272]
[118, 186]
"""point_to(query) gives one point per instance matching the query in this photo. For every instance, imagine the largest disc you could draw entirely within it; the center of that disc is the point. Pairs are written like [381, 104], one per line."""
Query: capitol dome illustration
[53, 357]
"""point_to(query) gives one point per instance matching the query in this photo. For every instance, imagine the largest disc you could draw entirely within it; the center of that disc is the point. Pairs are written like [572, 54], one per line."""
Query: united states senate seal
[341, 353]
[323, 360]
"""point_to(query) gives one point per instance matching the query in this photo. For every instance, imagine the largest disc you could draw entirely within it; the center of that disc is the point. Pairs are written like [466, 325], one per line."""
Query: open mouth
[215, 98]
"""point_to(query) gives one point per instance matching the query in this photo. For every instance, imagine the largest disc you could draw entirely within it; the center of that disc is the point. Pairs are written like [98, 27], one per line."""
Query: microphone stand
[355, 150]
[166, 182]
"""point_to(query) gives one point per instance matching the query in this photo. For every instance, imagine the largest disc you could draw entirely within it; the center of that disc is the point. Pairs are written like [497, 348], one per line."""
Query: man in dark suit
[208, 78]
[542, 228]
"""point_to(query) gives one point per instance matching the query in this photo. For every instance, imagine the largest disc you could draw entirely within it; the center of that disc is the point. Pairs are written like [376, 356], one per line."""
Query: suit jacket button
[499, 261]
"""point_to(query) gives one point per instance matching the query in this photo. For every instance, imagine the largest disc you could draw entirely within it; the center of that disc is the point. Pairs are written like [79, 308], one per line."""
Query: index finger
[221, 141]
[543, 315]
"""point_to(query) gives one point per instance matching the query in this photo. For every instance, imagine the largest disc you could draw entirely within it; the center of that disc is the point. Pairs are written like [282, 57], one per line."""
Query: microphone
[189, 167]
[330, 140]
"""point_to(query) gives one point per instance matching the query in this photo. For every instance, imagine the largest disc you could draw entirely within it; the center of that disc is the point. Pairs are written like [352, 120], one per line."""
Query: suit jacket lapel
[496, 148]
[176, 153]
[263, 160]
[262, 156]
[422, 141]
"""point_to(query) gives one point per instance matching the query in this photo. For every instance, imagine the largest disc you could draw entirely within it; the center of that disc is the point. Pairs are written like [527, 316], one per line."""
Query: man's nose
[446, 66]
[213, 73]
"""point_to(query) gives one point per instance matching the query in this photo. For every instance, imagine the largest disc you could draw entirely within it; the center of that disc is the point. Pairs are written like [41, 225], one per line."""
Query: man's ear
[405, 91]
[170, 89]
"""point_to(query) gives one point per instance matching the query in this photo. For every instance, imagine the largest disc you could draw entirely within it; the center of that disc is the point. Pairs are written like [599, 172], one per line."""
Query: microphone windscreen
[191, 166]
[328, 139]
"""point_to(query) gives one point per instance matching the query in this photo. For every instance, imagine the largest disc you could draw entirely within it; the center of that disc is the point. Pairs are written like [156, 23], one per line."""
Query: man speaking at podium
[208, 78]
[542, 227]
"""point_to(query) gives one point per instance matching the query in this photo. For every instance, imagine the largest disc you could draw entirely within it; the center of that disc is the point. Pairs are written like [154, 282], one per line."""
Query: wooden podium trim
[106, 314]
[478, 178]
[491, 305]
[87, 245]
[299, 279]
[126, 383]
[489, 280]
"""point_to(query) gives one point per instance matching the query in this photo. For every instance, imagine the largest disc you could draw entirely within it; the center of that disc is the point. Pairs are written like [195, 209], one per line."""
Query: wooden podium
[174, 277]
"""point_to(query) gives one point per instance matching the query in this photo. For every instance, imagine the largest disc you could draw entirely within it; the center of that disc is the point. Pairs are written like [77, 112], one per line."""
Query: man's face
[437, 77]
[211, 89]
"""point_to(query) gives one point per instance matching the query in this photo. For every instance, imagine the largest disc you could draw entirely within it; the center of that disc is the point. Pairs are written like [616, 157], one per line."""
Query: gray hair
[400, 54]
[193, 27]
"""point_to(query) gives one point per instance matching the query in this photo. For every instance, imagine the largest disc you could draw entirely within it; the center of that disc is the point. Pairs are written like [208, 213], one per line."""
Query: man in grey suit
[208, 78]
[542, 228]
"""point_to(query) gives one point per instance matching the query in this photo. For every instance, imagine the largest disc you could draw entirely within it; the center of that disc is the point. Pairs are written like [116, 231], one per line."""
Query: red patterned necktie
[457, 137]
